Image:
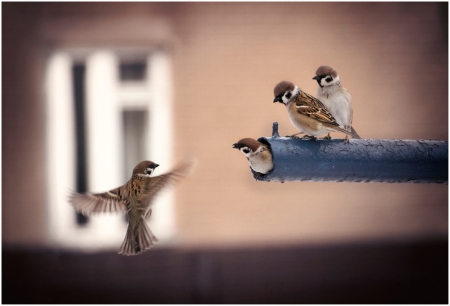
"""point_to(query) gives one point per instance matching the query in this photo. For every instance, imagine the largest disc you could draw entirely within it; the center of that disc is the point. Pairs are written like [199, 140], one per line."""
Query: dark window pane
[133, 71]
[78, 73]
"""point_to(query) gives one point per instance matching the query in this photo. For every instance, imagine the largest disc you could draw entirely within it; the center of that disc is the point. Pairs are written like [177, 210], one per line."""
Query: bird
[335, 97]
[258, 155]
[306, 112]
[133, 198]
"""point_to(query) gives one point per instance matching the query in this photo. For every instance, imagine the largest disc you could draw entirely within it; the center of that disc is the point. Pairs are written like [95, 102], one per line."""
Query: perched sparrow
[335, 97]
[306, 113]
[258, 155]
[134, 198]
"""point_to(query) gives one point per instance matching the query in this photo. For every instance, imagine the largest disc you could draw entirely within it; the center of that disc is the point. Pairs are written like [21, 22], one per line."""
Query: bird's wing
[153, 185]
[110, 201]
[312, 107]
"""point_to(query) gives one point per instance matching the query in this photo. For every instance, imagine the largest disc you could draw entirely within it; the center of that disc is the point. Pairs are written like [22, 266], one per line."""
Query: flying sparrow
[134, 198]
[258, 155]
[335, 97]
[306, 113]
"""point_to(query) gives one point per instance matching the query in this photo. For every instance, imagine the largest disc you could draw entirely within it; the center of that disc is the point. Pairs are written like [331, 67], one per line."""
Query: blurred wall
[392, 57]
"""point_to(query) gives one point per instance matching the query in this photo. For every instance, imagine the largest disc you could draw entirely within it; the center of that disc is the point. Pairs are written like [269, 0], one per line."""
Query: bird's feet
[258, 175]
[328, 137]
[294, 135]
[303, 137]
[309, 137]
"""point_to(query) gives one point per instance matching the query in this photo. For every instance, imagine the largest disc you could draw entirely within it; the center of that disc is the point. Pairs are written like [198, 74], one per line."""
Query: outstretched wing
[110, 201]
[312, 107]
[154, 184]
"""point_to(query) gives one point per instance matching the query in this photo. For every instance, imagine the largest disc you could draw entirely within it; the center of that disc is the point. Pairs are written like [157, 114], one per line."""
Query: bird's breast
[303, 123]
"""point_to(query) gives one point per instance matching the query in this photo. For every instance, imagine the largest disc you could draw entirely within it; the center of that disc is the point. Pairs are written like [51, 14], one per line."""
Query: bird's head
[248, 146]
[326, 76]
[145, 168]
[285, 92]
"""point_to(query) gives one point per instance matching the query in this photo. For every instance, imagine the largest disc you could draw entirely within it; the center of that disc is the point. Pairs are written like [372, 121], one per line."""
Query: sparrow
[258, 155]
[134, 198]
[335, 97]
[305, 112]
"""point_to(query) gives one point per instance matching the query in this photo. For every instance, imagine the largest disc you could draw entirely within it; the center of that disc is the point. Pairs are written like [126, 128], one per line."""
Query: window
[106, 112]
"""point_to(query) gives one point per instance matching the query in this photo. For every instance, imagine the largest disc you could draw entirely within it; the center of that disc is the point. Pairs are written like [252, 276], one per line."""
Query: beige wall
[392, 57]
[23, 178]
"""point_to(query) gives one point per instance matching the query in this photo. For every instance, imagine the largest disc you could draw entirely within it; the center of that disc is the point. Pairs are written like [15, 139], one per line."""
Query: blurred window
[107, 111]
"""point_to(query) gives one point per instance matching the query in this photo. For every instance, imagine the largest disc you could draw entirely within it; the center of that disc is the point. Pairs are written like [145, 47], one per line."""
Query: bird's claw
[257, 176]
[309, 137]
[294, 135]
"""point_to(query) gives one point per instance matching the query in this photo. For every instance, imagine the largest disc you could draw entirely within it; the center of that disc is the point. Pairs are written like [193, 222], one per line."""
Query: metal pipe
[360, 160]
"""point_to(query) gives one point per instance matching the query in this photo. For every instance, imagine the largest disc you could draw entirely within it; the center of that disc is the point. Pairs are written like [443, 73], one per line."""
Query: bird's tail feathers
[139, 240]
[351, 133]
[354, 134]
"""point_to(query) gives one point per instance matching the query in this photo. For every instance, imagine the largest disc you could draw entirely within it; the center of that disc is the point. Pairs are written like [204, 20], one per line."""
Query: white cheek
[285, 99]
[333, 82]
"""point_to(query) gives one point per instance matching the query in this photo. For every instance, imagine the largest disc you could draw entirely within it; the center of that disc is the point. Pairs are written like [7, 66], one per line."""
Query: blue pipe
[360, 160]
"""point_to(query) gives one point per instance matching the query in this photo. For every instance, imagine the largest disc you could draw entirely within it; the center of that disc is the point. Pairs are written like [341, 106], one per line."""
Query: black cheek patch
[289, 95]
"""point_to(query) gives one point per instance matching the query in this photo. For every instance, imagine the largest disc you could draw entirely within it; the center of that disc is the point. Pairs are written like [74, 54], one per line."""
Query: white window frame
[105, 98]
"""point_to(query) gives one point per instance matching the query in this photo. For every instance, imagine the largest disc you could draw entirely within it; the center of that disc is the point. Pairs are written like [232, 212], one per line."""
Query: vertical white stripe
[160, 143]
[104, 139]
[60, 142]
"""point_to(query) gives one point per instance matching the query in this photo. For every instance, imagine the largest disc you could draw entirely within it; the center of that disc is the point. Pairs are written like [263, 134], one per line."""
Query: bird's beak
[236, 146]
[277, 99]
[316, 77]
[155, 165]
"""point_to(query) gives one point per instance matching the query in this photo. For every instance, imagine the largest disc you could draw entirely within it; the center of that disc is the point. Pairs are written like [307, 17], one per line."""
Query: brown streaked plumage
[306, 113]
[309, 106]
[134, 198]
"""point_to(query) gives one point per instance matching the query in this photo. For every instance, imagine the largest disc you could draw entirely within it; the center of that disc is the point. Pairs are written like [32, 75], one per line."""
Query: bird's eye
[246, 150]
[288, 95]
[329, 79]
